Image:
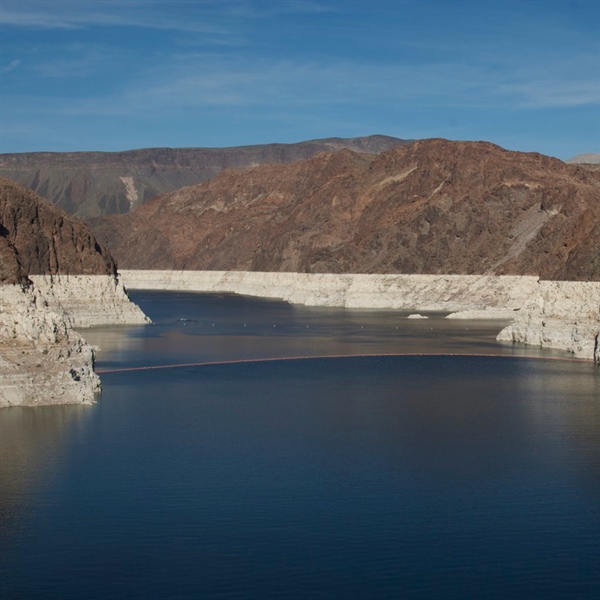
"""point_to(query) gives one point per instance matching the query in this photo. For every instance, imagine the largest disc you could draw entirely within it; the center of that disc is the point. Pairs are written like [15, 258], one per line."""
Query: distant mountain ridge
[90, 184]
[433, 206]
[593, 158]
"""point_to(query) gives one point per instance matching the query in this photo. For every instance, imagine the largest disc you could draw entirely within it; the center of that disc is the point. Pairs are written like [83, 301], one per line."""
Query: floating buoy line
[242, 361]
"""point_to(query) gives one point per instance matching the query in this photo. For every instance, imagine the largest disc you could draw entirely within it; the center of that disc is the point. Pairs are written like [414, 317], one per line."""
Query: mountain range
[89, 184]
[431, 206]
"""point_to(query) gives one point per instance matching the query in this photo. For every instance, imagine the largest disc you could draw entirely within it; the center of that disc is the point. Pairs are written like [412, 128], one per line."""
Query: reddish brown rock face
[434, 206]
[38, 238]
[90, 184]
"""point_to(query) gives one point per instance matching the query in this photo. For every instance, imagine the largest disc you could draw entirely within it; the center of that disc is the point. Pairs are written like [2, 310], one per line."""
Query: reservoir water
[392, 458]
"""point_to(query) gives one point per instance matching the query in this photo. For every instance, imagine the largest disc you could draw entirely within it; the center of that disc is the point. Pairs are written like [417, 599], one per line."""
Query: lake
[306, 453]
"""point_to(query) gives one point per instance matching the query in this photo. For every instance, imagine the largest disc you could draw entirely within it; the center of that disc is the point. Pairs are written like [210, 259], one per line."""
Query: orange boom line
[242, 361]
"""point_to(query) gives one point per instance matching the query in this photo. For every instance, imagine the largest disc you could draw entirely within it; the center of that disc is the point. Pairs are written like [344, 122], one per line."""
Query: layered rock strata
[88, 300]
[42, 360]
[445, 293]
[560, 314]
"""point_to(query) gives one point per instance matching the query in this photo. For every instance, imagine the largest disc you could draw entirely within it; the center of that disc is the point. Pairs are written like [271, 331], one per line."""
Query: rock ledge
[42, 359]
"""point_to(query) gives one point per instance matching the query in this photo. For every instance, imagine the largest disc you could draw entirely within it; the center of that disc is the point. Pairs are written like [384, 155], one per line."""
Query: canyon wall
[54, 276]
[431, 207]
[560, 314]
[446, 293]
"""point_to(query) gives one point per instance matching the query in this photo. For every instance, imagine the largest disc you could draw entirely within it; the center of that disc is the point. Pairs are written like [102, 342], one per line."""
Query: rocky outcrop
[54, 276]
[431, 207]
[88, 300]
[42, 360]
[45, 239]
[88, 184]
[560, 314]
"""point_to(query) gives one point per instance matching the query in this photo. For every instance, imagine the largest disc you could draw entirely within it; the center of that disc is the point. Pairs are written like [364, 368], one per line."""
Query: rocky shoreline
[42, 359]
[564, 315]
[561, 314]
[88, 300]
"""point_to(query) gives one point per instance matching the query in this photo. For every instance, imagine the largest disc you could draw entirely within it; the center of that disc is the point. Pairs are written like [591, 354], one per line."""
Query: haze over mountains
[433, 206]
[89, 184]
[587, 161]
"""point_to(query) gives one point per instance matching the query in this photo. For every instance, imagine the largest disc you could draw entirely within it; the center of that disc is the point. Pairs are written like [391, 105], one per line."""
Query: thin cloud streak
[305, 88]
[77, 61]
[146, 69]
[80, 15]
[211, 80]
[158, 15]
[11, 66]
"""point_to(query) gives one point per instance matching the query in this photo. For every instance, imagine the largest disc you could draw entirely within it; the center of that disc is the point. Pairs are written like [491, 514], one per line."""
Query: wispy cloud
[13, 64]
[541, 93]
[76, 61]
[213, 79]
[77, 14]
[272, 8]
[199, 16]
[163, 64]
[202, 80]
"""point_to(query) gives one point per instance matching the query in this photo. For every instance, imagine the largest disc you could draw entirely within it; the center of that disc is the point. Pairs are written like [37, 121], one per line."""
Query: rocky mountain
[433, 206]
[89, 184]
[54, 275]
[37, 238]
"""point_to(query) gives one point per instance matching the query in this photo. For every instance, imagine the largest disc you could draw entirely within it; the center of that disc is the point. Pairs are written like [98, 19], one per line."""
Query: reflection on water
[32, 446]
[114, 341]
[364, 477]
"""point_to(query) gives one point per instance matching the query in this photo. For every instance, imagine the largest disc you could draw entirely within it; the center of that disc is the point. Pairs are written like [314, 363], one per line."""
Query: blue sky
[115, 75]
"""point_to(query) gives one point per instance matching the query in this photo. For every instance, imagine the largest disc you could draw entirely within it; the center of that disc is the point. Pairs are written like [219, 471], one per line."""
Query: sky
[116, 75]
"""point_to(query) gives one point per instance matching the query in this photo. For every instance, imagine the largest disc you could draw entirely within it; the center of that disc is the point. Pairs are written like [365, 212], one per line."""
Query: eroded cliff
[560, 314]
[54, 275]
[42, 360]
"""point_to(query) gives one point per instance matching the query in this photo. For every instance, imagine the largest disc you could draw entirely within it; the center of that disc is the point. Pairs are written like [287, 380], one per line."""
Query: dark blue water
[354, 477]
